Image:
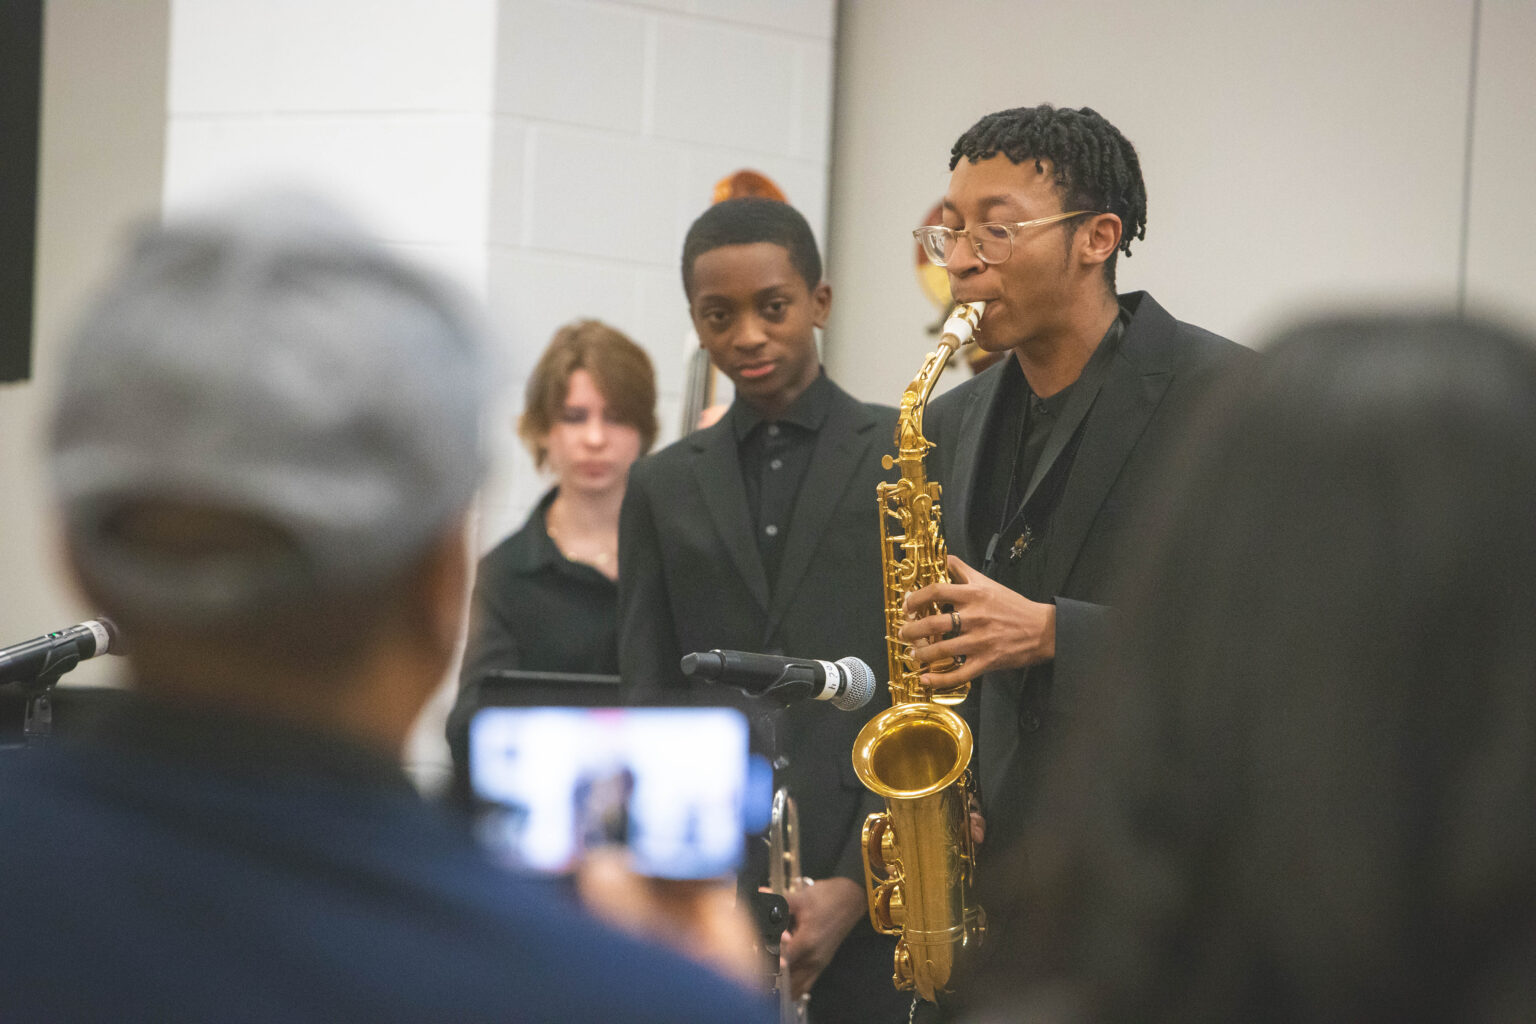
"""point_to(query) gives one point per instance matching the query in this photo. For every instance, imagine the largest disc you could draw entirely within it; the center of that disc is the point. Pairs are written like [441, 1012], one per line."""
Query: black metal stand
[37, 720]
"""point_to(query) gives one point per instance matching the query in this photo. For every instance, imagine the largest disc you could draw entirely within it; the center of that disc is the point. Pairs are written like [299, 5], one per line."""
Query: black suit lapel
[840, 446]
[1133, 386]
[717, 468]
[967, 444]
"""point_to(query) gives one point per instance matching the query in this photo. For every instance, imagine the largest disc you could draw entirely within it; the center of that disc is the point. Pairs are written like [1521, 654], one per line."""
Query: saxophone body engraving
[918, 854]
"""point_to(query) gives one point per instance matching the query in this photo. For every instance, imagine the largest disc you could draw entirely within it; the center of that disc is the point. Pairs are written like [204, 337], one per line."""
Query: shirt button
[771, 530]
[773, 430]
[776, 464]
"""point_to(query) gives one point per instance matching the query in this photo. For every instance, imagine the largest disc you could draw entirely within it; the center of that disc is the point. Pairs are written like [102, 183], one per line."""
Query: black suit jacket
[692, 580]
[1140, 415]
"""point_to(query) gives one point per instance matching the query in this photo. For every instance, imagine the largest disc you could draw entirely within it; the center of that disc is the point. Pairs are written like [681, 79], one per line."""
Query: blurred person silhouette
[264, 449]
[546, 598]
[1304, 788]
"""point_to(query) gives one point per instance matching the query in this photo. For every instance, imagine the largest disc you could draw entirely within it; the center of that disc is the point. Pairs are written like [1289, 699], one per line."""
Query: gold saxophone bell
[918, 854]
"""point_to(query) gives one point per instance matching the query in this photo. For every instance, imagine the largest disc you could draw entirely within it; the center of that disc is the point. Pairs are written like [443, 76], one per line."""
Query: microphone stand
[769, 909]
[37, 720]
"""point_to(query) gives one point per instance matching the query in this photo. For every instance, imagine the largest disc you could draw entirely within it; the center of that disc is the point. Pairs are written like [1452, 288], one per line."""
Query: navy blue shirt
[180, 866]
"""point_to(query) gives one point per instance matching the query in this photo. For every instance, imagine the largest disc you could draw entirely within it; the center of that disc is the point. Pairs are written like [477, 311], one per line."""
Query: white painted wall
[613, 122]
[102, 145]
[550, 154]
[384, 105]
[1296, 155]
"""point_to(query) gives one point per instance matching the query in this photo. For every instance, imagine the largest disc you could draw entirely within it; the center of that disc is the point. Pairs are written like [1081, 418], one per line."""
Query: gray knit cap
[269, 358]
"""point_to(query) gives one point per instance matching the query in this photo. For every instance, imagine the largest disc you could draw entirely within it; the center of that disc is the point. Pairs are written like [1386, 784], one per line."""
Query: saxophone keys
[889, 908]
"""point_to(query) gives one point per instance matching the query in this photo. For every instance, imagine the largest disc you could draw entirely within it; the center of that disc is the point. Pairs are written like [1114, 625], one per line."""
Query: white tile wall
[508, 182]
[415, 177]
[720, 85]
[464, 264]
[614, 121]
[803, 17]
[533, 293]
[813, 85]
[577, 63]
[356, 55]
[549, 153]
[611, 196]
[804, 182]
[662, 325]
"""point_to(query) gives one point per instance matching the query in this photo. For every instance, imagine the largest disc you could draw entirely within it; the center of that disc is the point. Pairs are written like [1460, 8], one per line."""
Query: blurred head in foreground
[1304, 791]
[265, 446]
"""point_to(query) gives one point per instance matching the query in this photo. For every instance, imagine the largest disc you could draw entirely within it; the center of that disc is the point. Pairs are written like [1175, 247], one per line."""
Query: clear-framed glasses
[992, 242]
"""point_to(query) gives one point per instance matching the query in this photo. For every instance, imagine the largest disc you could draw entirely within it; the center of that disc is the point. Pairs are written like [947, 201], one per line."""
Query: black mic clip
[57, 662]
[796, 683]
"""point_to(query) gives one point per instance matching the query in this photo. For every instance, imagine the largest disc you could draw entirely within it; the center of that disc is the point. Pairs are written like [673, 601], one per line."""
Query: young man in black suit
[1049, 458]
[760, 533]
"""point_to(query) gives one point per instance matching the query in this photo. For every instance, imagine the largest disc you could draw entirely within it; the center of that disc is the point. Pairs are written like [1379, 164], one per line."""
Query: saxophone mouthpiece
[962, 322]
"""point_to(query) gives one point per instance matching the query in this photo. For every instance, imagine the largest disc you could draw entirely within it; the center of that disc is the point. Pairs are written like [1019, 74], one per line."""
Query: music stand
[520, 688]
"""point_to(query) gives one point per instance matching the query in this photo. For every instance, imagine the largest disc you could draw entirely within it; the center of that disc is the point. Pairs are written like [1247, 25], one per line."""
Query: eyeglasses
[991, 242]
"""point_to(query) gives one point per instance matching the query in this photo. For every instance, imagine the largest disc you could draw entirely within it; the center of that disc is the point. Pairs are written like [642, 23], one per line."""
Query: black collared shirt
[774, 456]
[1019, 530]
[536, 610]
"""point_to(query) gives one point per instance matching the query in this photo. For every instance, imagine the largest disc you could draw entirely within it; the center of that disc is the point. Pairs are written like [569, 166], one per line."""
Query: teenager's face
[756, 317]
[1030, 292]
[588, 450]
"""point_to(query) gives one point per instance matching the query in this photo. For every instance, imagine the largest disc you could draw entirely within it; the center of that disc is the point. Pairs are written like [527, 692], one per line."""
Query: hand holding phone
[669, 785]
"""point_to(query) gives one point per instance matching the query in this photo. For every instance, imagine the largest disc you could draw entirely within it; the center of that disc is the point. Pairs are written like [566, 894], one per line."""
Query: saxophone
[918, 854]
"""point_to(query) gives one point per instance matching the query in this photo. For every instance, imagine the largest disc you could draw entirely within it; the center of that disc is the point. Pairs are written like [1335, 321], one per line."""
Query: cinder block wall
[612, 123]
[550, 154]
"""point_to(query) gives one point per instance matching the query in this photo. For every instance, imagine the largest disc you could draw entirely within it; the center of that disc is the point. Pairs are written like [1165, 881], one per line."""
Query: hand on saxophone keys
[998, 628]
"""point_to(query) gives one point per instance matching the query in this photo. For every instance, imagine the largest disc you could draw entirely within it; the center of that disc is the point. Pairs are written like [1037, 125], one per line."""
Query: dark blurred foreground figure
[1307, 790]
[265, 448]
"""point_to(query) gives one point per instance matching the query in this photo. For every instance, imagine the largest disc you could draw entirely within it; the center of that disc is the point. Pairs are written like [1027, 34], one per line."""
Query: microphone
[46, 658]
[848, 683]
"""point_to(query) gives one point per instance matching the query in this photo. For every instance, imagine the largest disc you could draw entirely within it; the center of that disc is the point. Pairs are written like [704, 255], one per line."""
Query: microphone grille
[861, 684]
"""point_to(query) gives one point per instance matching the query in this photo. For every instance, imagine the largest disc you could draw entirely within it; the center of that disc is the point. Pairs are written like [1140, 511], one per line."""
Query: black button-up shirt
[536, 610]
[774, 456]
[1019, 531]
[1016, 446]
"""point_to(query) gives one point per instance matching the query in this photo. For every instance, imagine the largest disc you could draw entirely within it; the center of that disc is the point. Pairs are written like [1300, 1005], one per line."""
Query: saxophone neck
[958, 329]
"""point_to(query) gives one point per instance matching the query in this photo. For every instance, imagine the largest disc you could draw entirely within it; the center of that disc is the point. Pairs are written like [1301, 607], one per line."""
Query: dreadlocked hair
[1096, 167]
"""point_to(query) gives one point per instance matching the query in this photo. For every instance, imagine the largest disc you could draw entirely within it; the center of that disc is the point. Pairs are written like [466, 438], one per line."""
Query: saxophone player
[757, 534]
[1045, 459]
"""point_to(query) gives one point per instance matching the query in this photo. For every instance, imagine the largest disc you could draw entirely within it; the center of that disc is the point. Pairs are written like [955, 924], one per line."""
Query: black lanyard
[1084, 391]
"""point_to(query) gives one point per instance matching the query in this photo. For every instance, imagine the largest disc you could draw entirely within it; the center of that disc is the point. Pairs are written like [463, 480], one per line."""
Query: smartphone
[675, 787]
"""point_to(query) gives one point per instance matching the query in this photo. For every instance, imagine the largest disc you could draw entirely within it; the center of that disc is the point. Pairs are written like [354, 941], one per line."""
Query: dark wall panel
[21, 62]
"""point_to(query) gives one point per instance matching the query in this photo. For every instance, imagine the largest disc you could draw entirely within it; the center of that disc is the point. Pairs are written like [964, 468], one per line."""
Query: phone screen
[669, 784]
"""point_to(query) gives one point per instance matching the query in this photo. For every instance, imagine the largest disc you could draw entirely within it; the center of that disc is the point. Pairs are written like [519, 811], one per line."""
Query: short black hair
[747, 220]
[1096, 167]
